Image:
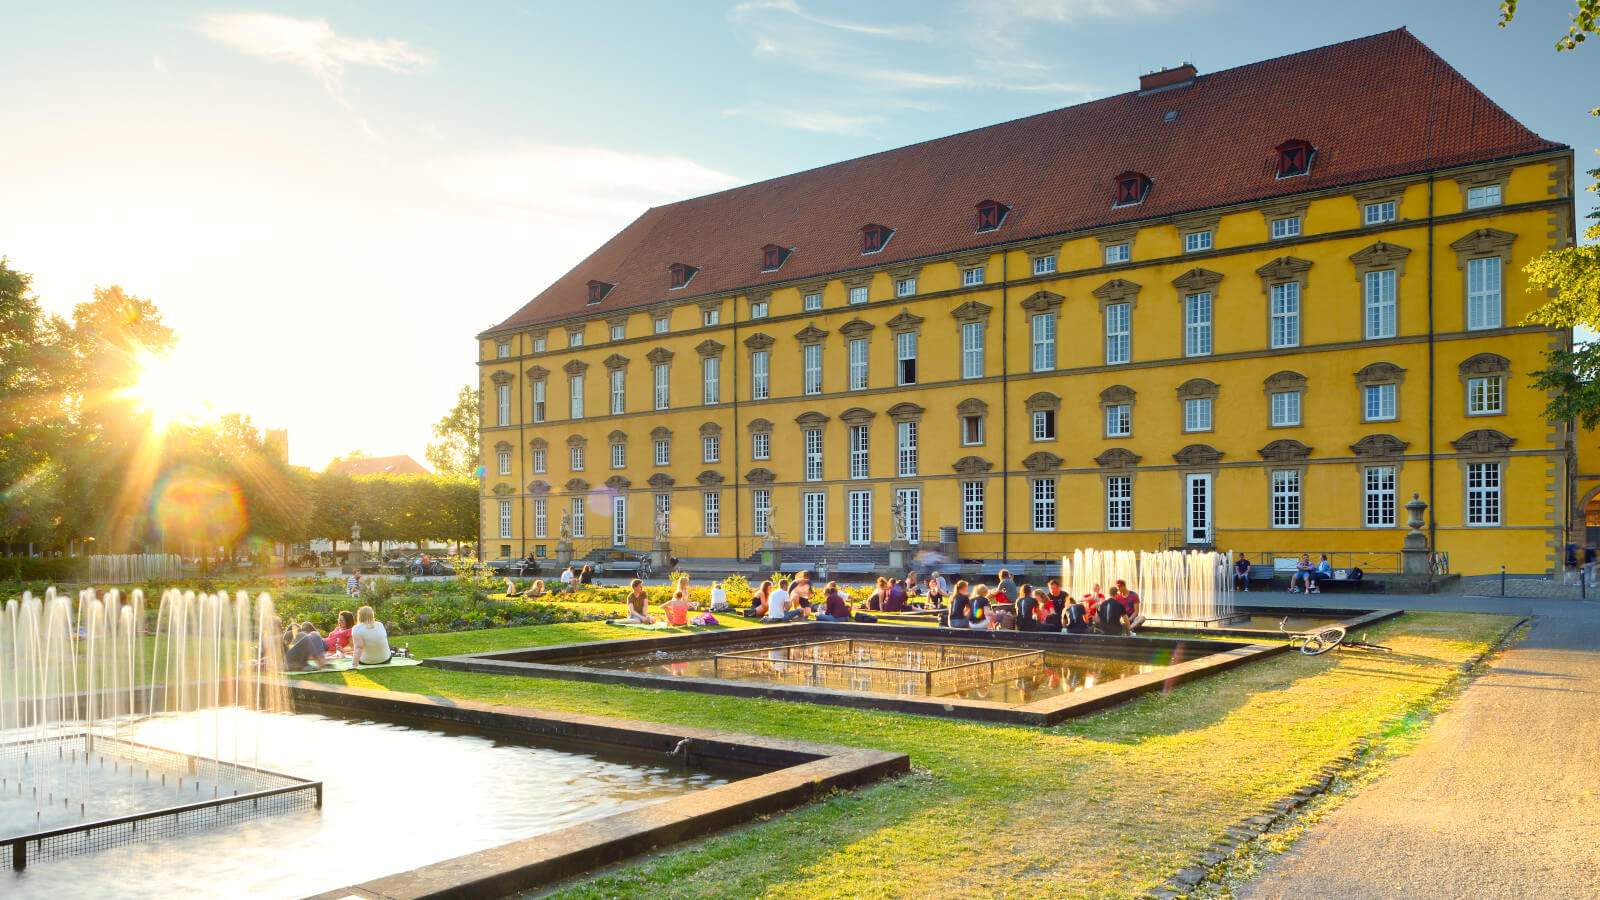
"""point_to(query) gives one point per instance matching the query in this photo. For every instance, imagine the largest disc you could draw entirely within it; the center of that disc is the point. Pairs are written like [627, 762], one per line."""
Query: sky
[329, 200]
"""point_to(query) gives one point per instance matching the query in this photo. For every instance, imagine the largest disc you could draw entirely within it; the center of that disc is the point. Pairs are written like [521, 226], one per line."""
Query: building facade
[1256, 309]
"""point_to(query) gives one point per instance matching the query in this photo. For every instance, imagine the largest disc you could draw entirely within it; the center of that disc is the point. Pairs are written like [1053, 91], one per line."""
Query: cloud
[158, 64]
[818, 120]
[310, 43]
[901, 32]
[1067, 12]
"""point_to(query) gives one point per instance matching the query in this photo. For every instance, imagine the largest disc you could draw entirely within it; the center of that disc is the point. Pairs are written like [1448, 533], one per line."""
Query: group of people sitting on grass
[360, 638]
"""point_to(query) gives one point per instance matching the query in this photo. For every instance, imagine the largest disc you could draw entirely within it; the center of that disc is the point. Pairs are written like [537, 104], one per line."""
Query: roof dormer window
[599, 289]
[1131, 188]
[773, 257]
[1294, 158]
[990, 214]
[681, 274]
[874, 238]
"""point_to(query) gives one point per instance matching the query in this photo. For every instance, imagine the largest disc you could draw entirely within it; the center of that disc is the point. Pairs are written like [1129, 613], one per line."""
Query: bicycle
[1316, 643]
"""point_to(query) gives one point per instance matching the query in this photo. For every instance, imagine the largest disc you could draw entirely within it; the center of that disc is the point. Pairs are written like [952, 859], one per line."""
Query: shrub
[43, 568]
[736, 585]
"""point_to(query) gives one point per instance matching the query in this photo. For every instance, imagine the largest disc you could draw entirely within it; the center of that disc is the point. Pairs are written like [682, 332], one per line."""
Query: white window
[905, 287]
[758, 309]
[813, 448]
[1379, 294]
[710, 317]
[860, 518]
[813, 302]
[905, 349]
[811, 362]
[1044, 504]
[711, 507]
[711, 369]
[711, 448]
[1119, 503]
[539, 344]
[1044, 265]
[575, 395]
[1378, 213]
[618, 396]
[971, 430]
[576, 458]
[1485, 395]
[661, 324]
[1044, 424]
[663, 452]
[619, 521]
[579, 507]
[618, 331]
[972, 277]
[664, 512]
[760, 380]
[1285, 408]
[1379, 496]
[1285, 498]
[505, 518]
[1483, 493]
[858, 451]
[1483, 293]
[816, 519]
[1197, 325]
[1479, 197]
[502, 351]
[760, 511]
[539, 457]
[538, 401]
[858, 294]
[504, 459]
[1195, 241]
[1285, 303]
[1119, 420]
[575, 339]
[1044, 342]
[1378, 402]
[541, 518]
[761, 445]
[972, 350]
[858, 364]
[502, 404]
[910, 500]
[1118, 333]
[619, 455]
[1197, 414]
[905, 448]
[971, 506]
[1118, 253]
[1286, 227]
[663, 386]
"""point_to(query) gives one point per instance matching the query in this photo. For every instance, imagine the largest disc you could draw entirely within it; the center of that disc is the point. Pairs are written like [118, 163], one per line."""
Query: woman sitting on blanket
[677, 609]
[338, 640]
[370, 639]
[637, 601]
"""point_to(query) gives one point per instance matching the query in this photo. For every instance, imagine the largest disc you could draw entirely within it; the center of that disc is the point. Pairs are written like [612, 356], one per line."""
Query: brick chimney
[1178, 76]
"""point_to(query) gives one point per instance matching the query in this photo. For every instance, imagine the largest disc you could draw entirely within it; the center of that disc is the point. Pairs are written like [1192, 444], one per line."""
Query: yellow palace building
[1255, 309]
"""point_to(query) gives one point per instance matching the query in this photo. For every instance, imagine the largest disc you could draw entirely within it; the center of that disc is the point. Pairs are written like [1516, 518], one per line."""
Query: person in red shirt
[677, 609]
[338, 640]
[835, 608]
[1130, 599]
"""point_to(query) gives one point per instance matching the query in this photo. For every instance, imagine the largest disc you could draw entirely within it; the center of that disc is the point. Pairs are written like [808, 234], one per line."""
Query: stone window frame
[660, 433]
[711, 349]
[614, 363]
[1394, 191]
[535, 337]
[577, 368]
[581, 444]
[1483, 365]
[579, 330]
[657, 318]
[710, 305]
[1041, 249]
[1281, 455]
[1042, 303]
[1484, 445]
[1373, 374]
[1466, 181]
[1483, 243]
[535, 447]
[1117, 236]
[1286, 208]
[1117, 462]
[808, 421]
[754, 297]
[857, 329]
[1117, 395]
[1044, 401]
[1286, 270]
[660, 356]
[1187, 225]
[1198, 389]
[1196, 281]
[755, 427]
[820, 288]
[975, 260]
[502, 343]
[972, 406]
[971, 469]
[758, 343]
[861, 280]
[1042, 465]
[710, 430]
[612, 322]
[972, 312]
[1378, 257]
[905, 322]
[1285, 381]
[617, 436]
[1117, 290]
[812, 336]
[902, 272]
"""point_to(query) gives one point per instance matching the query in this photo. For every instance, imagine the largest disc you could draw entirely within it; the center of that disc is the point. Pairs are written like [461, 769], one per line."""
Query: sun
[171, 389]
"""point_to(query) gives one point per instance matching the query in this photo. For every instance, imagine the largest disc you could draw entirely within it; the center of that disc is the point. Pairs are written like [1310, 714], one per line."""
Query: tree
[456, 450]
[1584, 21]
[352, 455]
[34, 399]
[458, 507]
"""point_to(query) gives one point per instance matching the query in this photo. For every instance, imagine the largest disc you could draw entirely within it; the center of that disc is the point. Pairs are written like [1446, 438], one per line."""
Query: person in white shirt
[567, 577]
[370, 639]
[719, 598]
[778, 604]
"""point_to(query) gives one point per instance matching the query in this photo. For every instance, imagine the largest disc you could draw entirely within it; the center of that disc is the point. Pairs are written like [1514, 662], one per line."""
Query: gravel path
[1500, 799]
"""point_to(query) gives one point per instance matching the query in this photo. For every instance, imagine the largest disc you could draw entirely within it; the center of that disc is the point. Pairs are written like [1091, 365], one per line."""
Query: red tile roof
[1374, 107]
[379, 465]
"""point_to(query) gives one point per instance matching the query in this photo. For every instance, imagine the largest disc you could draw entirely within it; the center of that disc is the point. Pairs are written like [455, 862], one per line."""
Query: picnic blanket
[345, 665]
[654, 626]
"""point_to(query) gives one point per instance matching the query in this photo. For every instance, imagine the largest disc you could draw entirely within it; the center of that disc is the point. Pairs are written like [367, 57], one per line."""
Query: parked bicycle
[1316, 643]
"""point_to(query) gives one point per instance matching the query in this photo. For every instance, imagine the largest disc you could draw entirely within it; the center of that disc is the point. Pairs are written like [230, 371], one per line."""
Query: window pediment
[709, 477]
[760, 341]
[1043, 400]
[856, 328]
[501, 489]
[501, 376]
[708, 348]
[1381, 255]
[618, 437]
[577, 486]
[1380, 373]
[538, 488]
[1283, 269]
[905, 412]
[971, 311]
[812, 419]
[972, 465]
[661, 433]
[1483, 440]
[661, 481]
[1285, 380]
[1381, 445]
[577, 440]
[575, 367]
[972, 406]
[1485, 364]
[759, 426]
[856, 415]
[1117, 395]
[810, 334]
[539, 443]
[1196, 280]
[616, 361]
[1043, 302]
[1198, 455]
[618, 483]
[710, 429]
[1118, 458]
[1198, 388]
[1285, 450]
[659, 356]
[906, 320]
[1482, 242]
[502, 447]
[1041, 461]
[760, 475]
[1117, 290]
[538, 373]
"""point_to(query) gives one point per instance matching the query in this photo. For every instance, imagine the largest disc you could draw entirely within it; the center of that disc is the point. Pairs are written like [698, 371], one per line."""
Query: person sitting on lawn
[1112, 616]
[1241, 573]
[308, 650]
[1321, 573]
[778, 605]
[1130, 599]
[1029, 605]
[1002, 620]
[879, 592]
[914, 585]
[758, 602]
[960, 607]
[1302, 575]
[937, 589]
[638, 604]
[1053, 614]
[800, 594]
[1092, 601]
[677, 609]
[895, 600]
[370, 639]
[978, 618]
[535, 590]
[338, 640]
[835, 606]
[1006, 589]
[1076, 619]
[719, 598]
[352, 585]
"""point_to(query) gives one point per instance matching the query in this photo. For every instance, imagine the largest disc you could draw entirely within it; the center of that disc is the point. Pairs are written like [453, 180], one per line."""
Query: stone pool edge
[801, 771]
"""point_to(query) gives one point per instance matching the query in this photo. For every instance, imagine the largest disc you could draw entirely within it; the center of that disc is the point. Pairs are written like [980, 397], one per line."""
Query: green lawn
[1104, 806]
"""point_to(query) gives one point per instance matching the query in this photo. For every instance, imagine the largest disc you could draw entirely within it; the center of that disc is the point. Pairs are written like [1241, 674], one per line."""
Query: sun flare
[171, 389]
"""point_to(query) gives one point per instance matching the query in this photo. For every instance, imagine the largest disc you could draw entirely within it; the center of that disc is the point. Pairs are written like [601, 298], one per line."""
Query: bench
[790, 568]
[852, 568]
[992, 568]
